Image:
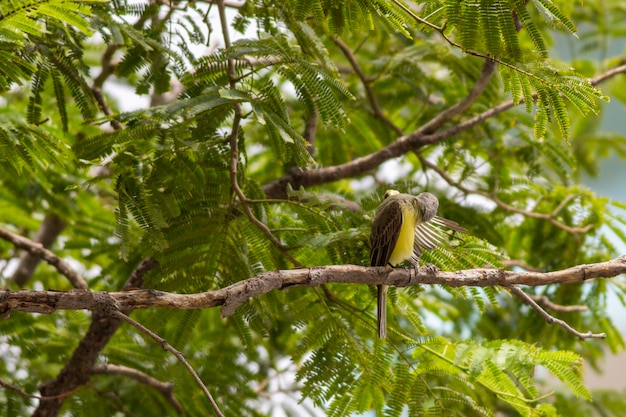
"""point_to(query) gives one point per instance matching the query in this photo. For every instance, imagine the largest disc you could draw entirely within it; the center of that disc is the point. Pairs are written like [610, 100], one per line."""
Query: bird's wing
[434, 233]
[428, 236]
[385, 232]
[449, 224]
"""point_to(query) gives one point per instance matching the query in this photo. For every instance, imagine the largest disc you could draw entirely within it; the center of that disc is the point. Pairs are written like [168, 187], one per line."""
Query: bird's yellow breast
[404, 245]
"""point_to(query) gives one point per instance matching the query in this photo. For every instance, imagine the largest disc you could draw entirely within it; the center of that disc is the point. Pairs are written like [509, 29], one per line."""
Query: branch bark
[235, 295]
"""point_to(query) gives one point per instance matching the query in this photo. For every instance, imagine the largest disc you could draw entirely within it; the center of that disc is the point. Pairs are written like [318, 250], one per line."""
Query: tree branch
[39, 251]
[489, 67]
[77, 370]
[542, 300]
[237, 294]
[404, 144]
[494, 111]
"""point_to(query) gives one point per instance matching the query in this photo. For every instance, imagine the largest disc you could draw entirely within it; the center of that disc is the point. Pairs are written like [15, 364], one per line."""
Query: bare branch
[550, 319]
[37, 250]
[237, 294]
[165, 388]
[175, 352]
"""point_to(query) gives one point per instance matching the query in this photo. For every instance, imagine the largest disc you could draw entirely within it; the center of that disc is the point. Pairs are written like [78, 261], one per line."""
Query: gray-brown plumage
[404, 225]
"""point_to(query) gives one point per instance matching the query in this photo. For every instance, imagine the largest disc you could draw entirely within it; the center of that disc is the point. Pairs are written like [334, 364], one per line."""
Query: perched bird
[404, 225]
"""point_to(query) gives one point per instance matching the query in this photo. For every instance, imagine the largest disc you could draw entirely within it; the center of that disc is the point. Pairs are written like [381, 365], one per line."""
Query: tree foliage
[273, 130]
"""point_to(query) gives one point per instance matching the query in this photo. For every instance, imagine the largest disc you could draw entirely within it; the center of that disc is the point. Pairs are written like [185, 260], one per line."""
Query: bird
[403, 226]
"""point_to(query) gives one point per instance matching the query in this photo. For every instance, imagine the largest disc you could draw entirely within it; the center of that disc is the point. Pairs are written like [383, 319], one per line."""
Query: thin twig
[166, 346]
[562, 204]
[37, 249]
[234, 148]
[551, 319]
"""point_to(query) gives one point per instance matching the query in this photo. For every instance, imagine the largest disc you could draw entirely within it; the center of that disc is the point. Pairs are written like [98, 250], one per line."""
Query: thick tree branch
[237, 294]
[76, 371]
[39, 251]
[404, 144]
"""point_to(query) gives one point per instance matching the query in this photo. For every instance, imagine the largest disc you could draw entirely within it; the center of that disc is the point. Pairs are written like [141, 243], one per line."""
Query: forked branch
[404, 144]
[527, 299]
